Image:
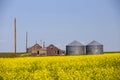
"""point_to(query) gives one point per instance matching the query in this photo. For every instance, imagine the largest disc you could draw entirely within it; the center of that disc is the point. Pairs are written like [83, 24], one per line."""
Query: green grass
[11, 55]
[23, 54]
[83, 67]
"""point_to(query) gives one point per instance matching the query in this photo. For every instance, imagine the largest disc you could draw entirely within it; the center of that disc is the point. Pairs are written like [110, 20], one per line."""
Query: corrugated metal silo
[94, 48]
[75, 48]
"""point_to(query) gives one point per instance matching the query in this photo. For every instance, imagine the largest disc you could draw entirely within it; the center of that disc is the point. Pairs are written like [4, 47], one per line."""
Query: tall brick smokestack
[15, 37]
[44, 44]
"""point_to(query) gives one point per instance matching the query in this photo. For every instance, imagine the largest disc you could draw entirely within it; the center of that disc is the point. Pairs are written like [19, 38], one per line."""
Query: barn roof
[94, 43]
[36, 45]
[51, 45]
[75, 43]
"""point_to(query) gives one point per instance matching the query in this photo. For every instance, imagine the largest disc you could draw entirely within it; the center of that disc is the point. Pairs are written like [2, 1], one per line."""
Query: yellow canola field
[82, 67]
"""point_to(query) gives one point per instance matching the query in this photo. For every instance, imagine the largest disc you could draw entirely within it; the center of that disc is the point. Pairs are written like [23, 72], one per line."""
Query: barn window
[51, 47]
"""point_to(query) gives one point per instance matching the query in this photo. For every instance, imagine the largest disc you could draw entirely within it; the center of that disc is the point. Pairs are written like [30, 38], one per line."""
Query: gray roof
[94, 43]
[75, 43]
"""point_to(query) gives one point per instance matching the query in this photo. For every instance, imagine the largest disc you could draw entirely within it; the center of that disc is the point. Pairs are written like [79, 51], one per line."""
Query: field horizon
[24, 54]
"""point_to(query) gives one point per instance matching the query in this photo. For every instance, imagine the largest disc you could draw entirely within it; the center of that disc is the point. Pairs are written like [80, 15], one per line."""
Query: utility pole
[26, 41]
[15, 37]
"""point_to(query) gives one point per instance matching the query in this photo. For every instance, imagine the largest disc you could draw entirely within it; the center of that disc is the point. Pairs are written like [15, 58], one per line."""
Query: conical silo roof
[75, 43]
[94, 43]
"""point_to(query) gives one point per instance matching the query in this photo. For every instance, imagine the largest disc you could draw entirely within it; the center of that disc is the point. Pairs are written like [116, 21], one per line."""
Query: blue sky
[59, 22]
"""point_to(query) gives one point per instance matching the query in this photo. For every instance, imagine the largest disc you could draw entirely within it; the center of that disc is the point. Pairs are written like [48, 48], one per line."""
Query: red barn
[53, 50]
[37, 50]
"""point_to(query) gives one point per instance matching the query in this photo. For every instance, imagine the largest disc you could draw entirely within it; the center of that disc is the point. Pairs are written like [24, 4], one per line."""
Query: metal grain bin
[75, 48]
[94, 48]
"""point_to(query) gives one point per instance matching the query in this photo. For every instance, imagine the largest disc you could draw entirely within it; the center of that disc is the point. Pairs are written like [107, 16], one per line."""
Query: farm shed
[94, 47]
[53, 50]
[37, 50]
[75, 48]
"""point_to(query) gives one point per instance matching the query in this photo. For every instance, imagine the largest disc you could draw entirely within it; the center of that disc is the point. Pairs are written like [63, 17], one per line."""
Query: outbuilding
[94, 47]
[75, 48]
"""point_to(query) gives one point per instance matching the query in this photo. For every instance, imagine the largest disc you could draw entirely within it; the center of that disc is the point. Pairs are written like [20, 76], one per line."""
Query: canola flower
[82, 67]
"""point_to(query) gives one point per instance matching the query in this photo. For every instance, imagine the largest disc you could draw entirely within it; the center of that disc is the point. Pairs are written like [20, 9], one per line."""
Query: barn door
[38, 52]
[58, 52]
